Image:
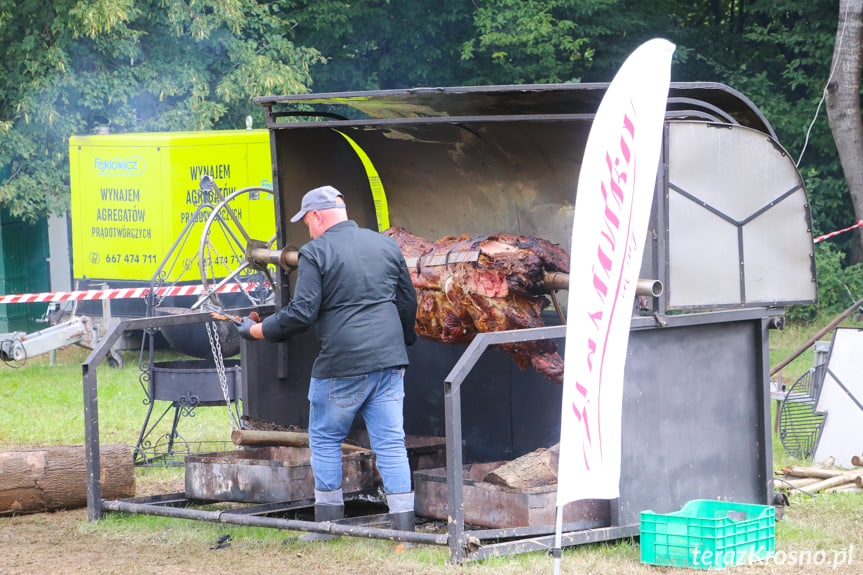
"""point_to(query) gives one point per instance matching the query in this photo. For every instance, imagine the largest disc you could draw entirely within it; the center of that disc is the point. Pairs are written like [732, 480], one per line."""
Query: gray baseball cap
[323, 198]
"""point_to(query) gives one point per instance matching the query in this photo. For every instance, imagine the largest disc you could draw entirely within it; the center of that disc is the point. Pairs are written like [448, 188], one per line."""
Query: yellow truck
[135, 201]
[133, 194]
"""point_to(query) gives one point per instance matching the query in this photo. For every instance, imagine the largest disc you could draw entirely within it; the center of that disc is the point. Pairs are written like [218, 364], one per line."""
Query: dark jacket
[354, 287]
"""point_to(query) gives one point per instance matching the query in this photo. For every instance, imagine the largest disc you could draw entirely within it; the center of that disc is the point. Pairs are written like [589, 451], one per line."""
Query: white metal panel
[703, 270]
[731, 168]
[778, 274]
[840, 399]
[736, 187]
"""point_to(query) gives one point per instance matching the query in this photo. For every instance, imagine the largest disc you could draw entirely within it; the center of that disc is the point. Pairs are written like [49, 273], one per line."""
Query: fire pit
[271, 475]
[498, 506]
[283, 474]
[186, 385]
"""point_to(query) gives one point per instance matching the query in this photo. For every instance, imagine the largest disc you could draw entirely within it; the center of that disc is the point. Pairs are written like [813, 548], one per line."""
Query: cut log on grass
[841, 479]
[534, 469]
[856, 461]
[811, 472]
[250, 437]
[798, 483]
[40, 479]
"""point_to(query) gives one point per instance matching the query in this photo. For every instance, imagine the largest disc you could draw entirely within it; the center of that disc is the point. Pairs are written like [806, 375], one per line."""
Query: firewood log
[835, 481]
[800, 482]
[533, 469]
[811, 472]
[285, 438]
[40, 479]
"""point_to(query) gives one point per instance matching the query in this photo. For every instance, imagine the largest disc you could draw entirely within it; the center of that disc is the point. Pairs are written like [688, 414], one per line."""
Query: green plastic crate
[708, 535]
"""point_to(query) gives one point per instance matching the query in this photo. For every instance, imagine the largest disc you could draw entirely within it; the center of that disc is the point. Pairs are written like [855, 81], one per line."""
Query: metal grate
[172, 453]
[799, 424]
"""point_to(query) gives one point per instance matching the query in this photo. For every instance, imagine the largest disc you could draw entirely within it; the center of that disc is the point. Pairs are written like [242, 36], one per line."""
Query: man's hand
[245, 328]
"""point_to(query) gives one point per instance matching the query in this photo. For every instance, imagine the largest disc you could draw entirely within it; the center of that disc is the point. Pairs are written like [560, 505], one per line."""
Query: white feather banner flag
[612, 211]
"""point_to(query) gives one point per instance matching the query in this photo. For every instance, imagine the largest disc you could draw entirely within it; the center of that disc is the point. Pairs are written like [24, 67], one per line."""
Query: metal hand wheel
[223, 254]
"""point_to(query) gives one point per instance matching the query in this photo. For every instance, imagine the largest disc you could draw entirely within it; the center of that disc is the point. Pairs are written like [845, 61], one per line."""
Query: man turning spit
[353, 285]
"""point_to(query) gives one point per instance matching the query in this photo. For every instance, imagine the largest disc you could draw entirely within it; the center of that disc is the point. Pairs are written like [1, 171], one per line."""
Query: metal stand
[174, 505]
[464, 545]
[185, 385]
[184, 394]
[91, 384]
[747, 328]
[143, 444]
[467, 545]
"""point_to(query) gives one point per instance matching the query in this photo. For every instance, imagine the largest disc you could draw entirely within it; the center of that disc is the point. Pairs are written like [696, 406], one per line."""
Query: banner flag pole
[556, 551]
[612, 211]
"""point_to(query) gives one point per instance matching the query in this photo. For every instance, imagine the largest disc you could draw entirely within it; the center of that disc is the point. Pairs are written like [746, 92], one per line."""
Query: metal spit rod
[287, 259]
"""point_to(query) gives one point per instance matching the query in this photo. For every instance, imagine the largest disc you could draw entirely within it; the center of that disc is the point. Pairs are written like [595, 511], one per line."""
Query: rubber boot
[402, 511]
[324, 513]
[404, 521]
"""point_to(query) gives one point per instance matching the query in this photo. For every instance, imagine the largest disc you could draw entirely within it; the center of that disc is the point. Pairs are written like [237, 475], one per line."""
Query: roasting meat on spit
[469, 285]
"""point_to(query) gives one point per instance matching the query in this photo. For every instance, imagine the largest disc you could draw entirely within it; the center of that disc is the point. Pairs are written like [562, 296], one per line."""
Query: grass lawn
[42, 406]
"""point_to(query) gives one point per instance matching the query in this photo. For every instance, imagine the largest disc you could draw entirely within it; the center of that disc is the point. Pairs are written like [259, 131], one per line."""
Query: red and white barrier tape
[837, 232]
[139, 293]
[122, 293]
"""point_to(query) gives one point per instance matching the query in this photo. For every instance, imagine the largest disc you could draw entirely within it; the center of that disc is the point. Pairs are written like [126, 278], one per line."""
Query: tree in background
[144, 65]
[791, 46]
[537, 41]
[843, 106]
[130, 65]
[380, 44]
[776, 54]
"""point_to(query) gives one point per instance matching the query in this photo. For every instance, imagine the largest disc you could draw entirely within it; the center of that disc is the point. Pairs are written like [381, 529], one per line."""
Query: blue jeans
[379, 395]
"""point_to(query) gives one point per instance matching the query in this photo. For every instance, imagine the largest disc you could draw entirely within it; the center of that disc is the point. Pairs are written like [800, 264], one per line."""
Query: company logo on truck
[133, 166]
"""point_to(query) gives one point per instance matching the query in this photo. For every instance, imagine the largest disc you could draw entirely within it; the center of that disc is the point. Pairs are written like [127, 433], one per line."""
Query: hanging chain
[210, 256]
[216, 347]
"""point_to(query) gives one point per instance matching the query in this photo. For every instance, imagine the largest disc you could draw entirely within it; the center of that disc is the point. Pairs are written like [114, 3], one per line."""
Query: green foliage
[838, 286]
[830, 203]
[131, 65]
[533, 41]
[146, 65]
[380, 44]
